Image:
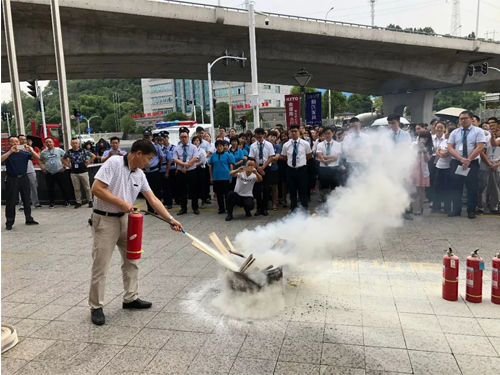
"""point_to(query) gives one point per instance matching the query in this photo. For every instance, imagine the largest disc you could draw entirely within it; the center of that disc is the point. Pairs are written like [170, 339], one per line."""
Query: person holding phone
[242, 196]
[114, 150]
[17, 181]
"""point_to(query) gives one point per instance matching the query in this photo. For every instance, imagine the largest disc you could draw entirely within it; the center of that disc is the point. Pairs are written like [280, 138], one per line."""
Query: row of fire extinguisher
[474, 279]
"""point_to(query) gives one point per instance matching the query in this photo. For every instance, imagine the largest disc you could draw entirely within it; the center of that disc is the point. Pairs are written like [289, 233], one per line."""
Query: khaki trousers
[76, 179]
[108, 232]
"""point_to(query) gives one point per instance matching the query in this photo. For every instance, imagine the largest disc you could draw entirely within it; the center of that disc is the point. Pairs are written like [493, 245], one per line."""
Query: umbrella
[450, 113]
[383, 121]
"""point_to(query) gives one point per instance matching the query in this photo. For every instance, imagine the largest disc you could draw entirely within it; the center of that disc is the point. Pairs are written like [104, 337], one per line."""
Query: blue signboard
[313, 108]
[81, 117]
[89, 130]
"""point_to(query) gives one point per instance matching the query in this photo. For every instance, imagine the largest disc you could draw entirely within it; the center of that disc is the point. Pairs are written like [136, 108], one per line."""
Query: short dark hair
[15, 136]
[273, 132]
[354, 119]
[422, 125]
[468, 113]
[144, 146]
[200, 129]
[260, 131]
[477, 118]
[222, 127]
[393, 117]
[21, 135]
[226, 143]
[114, 139]
[294, 126]
[280, 125]
[434, 121]
[494, 119]
[196, 137]
[242, 135]
[329, 128]
[234, 138]
[75, 139]
[219, 142]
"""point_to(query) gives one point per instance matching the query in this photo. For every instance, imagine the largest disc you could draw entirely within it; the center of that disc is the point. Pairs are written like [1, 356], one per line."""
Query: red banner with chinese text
[292, 106]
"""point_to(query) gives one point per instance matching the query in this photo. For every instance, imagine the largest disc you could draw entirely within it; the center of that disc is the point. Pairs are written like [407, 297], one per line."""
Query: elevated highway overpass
[169, 39]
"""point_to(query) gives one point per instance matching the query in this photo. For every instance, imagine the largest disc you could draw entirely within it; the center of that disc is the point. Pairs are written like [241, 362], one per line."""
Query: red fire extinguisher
[450, 276]
[134, 235]
[495, 282]
[474, 287]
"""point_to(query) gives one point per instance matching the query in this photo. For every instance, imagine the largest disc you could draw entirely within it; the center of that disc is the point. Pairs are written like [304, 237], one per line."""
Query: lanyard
[296, 149]
[395, 136]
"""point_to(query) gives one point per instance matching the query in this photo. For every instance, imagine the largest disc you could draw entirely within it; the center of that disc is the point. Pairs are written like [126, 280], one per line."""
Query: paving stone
[343, 355]
[28, 349]
[288, 368]
[245, 366]
[491, 327]
[305, 331]
[151, 338]
[471, 345]
[62, 351]
[458, 325]
[212, 364]
[431, 363]
[188, 341]
[336, 370]
[383, 337]
[133, 360]
[170, 362]
[25, 327]
[300, 351]
[474, 364]
[387, 359]
[11, 365]
[341, 334]
[419, 322]
[261, 347]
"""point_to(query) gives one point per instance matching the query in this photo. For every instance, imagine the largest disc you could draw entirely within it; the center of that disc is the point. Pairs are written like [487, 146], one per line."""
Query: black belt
[111, 214]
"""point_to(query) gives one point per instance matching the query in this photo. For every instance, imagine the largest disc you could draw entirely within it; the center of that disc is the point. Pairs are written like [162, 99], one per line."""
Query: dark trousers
[352, 168]
[154, 181]
[206, 191]
[297, 182]
[429, 191]
[262, 189]
[13, 186]
[233, 199]
[457, 184]
[57, 178]
[200, 173]
[221, 189]
[329, 177]
[169, 187]
[188, 183]
[441, 192]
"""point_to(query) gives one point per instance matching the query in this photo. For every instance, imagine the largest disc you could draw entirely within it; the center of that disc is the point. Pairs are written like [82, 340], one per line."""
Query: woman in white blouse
[442, 179]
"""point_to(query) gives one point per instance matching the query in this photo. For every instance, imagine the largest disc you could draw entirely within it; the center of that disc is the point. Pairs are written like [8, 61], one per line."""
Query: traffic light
[484, 68]
[38, 106]
[225, 62]
[470, 70]
[76, 112]
[32, 88]
[215, 103]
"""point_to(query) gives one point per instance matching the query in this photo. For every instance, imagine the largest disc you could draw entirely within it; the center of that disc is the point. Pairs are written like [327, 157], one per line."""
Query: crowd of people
[269, 169]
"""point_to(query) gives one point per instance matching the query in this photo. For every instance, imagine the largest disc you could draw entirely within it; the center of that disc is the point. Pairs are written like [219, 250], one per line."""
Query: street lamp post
[302, 78]
[329, 10]
[88, 121]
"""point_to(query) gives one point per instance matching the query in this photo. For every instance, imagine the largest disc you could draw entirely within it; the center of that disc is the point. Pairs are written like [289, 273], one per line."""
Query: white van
[173, 131]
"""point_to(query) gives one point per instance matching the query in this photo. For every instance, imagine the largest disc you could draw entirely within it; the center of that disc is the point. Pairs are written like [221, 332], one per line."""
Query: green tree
[296, 90]
[338, 103]
[357, 103]
[173, 116]
[206, 117]
[109, 123]
[462, 99]
[249, 115]
[127, 124]
[221, 115]
[378, 104]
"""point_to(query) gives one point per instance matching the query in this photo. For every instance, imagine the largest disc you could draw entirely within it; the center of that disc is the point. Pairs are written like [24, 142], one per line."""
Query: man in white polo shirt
[296, 152]
[465, 144]
[116, 187]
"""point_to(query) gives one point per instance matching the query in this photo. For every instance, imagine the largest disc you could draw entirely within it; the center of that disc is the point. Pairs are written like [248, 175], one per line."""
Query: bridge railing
[288, 16]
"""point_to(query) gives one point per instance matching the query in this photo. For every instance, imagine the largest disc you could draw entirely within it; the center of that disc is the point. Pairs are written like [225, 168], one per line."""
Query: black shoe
[21, 209]
[137, 304]
[38, 206]
[265, 213]
[221, 211]
[258, 213]
[98, 316]
[8, 227]
[407, 216]
[182, 211]
[169, 207]
[91, 204]
[229, 217]
[66, 204]
[51, 205]
[248, 214]
[78, 205]
[196, 212]
[479, 212]
[453, 214]
[471, 215]
[207, 201]
[31, 222]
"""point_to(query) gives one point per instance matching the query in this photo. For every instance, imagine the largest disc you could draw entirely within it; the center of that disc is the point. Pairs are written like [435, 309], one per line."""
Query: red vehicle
[5, 142]
[54, 132]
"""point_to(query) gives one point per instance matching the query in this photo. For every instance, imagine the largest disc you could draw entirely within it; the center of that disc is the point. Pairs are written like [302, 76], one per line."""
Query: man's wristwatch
[170, 218]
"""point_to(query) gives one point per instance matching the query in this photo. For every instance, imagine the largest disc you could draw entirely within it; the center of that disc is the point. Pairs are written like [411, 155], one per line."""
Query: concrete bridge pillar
[420, 103]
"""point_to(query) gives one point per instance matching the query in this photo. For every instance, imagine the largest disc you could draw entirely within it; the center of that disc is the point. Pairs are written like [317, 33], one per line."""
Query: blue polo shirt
[246, 148]
[277, 150]
[17, 164]
[245, 153]
[238, 155]
[220, 166]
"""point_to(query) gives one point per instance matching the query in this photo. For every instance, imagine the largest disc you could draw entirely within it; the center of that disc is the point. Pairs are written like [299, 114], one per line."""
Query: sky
[405, 13]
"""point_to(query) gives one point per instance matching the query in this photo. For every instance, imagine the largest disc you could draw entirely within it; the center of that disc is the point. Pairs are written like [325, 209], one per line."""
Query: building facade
[173, 95]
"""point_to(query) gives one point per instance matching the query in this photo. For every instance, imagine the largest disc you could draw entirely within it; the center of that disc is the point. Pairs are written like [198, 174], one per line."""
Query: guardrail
[288, 16]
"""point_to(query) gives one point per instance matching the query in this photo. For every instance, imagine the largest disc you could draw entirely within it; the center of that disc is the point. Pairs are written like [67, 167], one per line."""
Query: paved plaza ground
[374, 309]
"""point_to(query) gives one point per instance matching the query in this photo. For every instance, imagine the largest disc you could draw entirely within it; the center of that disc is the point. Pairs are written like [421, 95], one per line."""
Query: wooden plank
[248, 265]
[246, 262]
[217, 242]
[231, 247]
[198, 246]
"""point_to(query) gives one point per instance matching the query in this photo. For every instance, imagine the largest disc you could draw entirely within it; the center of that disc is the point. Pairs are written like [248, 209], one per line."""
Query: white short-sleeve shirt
[303, 148]
[122, 183]
[267, 152]
[474, 134]
[244, 184]
[335, 149]
[191, 152]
